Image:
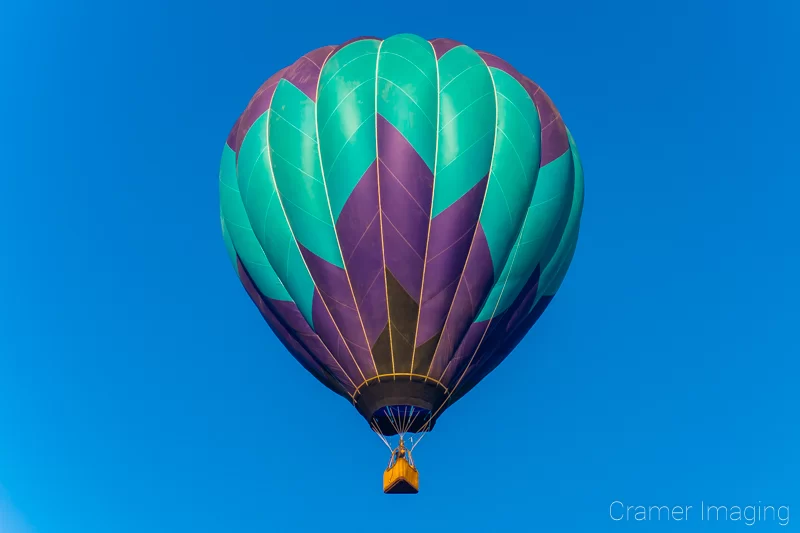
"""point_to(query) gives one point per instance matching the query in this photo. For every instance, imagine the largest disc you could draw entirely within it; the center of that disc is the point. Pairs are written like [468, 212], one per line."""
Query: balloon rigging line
[374, 426]
[397, 424]
[420, 439]
[389, 414]
[411, 423]
[401, 421]
[410, 420]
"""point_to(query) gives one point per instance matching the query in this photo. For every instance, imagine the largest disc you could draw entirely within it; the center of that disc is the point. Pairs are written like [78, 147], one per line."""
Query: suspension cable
[388, 411]
[374, 425]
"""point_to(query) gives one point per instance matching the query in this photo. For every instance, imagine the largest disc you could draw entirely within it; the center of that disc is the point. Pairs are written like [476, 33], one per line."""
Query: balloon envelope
[401, 211]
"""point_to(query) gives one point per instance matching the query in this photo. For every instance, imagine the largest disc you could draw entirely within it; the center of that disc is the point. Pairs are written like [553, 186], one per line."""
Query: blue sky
[133, 399]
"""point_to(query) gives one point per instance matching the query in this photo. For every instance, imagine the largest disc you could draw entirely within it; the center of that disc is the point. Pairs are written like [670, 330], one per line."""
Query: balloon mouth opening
[401, 406]
[401, 419]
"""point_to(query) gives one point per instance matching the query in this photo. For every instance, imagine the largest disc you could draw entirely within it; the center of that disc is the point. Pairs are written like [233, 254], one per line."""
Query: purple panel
[330, 335]
[441, 46]
[493, 61]
[320, 55]
[474, 287]
[401, 259]
[294, 322]
[518, 310]
[554, 133]
[555, 141]
[450, 239]
[504, 330]
[505, 345]
[304, 73]
[359, 232]
[471, 342]
[295, 348]
[351, 41]
[406, 191]
[288, 324]
[231, 141]
[334, 288]
[485, 364]
[258, 105]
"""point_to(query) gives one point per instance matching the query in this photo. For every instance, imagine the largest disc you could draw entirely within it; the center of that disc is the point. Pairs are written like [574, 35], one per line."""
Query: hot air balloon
[401, 211]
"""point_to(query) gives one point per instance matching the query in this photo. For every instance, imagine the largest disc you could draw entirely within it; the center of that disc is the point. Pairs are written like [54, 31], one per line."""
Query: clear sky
[140, 390]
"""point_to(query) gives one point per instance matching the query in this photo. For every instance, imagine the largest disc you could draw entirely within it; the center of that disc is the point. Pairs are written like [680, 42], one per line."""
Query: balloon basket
[401, 478]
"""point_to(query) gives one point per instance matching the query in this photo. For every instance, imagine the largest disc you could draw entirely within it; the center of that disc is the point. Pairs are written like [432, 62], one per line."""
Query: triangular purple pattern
[304, 73]
[258, 105]
[406, 191]
[449, 243]
[475, 285]
[334, 288]
[554, 133]
[441, 46]
[296, 335]
[359, 232]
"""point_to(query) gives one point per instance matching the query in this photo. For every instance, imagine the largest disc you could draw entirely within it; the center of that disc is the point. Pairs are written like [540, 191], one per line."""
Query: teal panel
[267, 218]
[502, 287]
[467, 117]
[297, 171]
[552, 199]
[555, 274]
[226, 237]
[515, 165]
[553, 240]
[346, 119]
[408, 91]
[237, 227]
[556, 269]
[551, 202]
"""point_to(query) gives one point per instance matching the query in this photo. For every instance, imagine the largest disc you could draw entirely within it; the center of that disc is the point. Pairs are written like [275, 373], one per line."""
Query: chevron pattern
[400, 209]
